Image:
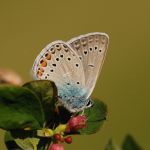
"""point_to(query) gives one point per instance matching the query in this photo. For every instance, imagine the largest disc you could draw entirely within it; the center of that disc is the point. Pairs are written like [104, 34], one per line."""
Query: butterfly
[74, 67]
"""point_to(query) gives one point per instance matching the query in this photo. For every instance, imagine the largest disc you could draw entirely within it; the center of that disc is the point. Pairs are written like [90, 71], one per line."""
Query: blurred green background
[28, 26]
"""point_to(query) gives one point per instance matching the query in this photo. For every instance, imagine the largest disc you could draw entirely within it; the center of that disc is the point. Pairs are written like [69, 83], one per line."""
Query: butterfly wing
[91, 49]
[59, 63]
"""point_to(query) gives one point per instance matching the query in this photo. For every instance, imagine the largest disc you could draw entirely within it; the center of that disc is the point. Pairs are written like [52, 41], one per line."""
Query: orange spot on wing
[48, 56]
[39, 73]
[41, 69]
[43, 63]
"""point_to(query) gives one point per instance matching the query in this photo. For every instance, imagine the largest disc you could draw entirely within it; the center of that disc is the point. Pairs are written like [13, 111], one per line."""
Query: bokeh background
[28, 26]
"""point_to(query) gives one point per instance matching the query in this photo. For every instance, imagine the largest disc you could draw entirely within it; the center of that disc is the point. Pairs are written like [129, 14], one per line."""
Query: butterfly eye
[89, 104]
[78, 82]
[100, 50]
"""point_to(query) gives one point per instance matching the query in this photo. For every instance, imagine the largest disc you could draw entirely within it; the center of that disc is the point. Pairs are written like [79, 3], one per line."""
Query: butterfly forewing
[58, 62]
[91, 49]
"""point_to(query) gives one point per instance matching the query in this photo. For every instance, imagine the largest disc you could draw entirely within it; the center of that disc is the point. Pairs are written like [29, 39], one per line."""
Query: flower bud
[45, 132]
[76, 123]
[56, 147]
[68, 139]
[60, 128]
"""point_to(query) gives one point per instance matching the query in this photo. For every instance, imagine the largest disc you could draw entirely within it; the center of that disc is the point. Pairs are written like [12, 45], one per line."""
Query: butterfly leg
[82, 113]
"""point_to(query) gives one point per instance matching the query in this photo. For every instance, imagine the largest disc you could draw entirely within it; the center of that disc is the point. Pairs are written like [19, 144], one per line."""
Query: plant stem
[47, 146]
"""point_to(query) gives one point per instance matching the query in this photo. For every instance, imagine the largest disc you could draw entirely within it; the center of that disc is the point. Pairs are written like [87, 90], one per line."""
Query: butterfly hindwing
[91, 49]
[59, 63]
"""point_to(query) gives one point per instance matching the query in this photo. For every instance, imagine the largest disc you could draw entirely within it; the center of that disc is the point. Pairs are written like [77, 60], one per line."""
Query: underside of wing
[91, 49]
[59, 63]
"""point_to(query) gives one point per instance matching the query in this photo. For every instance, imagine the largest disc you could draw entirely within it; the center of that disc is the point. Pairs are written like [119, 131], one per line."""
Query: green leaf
[130, 144]
[96, 115]
[20, 108]
[28, 143]
[10, 143]
[47, 92]
[112, 145]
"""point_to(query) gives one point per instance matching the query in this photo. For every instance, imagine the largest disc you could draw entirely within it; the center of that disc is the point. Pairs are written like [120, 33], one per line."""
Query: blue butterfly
[74, 66]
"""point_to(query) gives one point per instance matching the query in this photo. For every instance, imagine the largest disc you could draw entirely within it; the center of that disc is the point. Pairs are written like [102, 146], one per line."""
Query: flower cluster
[46, 124]
[74, 125]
